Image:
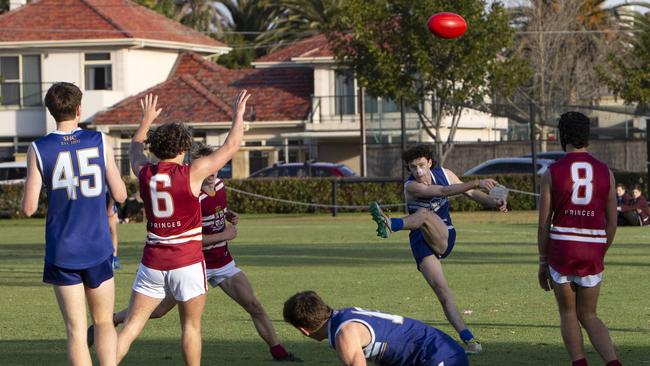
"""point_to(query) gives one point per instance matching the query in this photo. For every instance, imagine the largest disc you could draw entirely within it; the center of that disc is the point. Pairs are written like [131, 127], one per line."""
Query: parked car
[13, 172]
[307, 169]
[509, 166]
[552, 155]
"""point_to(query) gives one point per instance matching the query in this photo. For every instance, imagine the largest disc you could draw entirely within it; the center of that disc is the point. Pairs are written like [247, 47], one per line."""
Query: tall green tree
[299, 19]
[393, 55]
[628, 75]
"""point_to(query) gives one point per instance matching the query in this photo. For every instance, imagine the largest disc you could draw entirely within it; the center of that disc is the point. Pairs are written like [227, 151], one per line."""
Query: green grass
[492, 271]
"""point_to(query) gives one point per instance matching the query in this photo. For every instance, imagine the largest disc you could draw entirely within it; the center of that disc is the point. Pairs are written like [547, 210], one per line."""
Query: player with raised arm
[359, 335]
[221, 269]
[577, 224]
[172, 260]
[76, 167]
[433, 235]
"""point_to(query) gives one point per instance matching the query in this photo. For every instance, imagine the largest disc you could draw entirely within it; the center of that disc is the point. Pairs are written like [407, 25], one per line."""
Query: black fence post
[533, 151]
[334, 185]
[647, 156]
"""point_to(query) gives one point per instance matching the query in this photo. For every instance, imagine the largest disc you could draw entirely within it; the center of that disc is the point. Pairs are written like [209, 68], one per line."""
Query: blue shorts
[91, 277]
[421, 249]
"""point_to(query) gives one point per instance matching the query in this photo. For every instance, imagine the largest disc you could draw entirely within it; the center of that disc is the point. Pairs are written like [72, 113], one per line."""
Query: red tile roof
[316, 46]
[199, 91]
[58, 20]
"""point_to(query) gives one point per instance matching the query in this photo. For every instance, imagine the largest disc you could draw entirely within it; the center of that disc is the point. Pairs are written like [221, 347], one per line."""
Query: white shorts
[586, 281]
[217, 275]
[183, 283]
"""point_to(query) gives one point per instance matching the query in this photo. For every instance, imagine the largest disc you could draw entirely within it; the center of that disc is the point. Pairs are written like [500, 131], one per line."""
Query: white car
[509, 166]
[13, 172]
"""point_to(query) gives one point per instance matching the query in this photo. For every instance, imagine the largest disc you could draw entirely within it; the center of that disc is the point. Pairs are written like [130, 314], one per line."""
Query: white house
[111, 49]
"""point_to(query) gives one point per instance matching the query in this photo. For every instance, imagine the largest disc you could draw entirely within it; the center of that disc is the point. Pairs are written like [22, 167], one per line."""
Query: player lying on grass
[221, 269]
[360, 335]
[432, 235]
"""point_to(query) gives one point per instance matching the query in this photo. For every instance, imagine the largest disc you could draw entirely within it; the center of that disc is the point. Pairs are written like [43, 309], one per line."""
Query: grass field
[492, 271]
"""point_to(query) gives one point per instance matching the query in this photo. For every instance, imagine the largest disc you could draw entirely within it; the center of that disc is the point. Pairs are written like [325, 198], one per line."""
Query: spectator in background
[132, 209]
[622, 198]
[636, 212]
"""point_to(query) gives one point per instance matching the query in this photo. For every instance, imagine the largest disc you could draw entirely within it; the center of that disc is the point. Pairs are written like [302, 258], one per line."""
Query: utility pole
[362, 132]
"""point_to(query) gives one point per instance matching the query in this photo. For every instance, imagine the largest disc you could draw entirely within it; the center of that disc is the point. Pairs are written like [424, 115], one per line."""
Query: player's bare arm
[202, 167]
[543, 230]
[113, 178]
[228, 233]
[421, 190]
[611, 211]
[349, 343]
[478, 195]
[33, 184]
[136, 149]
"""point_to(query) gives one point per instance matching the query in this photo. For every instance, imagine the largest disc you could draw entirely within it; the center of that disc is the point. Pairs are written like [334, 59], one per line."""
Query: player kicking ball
[432, 235]
[221, 269]
[359, 335]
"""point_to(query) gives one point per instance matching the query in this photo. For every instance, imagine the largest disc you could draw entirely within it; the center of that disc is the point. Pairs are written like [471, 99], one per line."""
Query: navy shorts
[421, 249]
[91, 277]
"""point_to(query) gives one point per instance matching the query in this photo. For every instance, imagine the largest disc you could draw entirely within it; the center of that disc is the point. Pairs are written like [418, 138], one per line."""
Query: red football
[447, 25]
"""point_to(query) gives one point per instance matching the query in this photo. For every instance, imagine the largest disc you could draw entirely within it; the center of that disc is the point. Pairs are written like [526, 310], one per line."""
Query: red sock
[614, 363]
[580, 362]
[278, 351]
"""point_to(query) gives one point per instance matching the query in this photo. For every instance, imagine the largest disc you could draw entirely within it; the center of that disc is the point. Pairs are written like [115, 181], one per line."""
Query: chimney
[15, 4]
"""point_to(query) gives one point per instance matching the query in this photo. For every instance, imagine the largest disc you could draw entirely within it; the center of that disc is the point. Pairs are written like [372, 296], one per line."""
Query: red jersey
[579, 191]
[213, 210]
[173, 217]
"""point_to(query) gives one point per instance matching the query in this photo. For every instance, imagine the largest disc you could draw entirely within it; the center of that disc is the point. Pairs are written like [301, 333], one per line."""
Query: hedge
[319, 190]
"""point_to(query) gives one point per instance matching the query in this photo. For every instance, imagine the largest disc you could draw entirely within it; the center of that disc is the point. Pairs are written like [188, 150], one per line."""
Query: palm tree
[299, 19]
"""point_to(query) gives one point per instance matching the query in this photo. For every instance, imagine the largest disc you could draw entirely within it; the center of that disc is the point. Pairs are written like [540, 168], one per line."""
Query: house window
[380, 105]
[98, 71]
[20, 80]
[344, 91]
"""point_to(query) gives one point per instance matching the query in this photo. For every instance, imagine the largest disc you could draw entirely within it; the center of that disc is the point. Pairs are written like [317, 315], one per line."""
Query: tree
[388, 46]
[299, 19]
[565, 43]
[628, 75]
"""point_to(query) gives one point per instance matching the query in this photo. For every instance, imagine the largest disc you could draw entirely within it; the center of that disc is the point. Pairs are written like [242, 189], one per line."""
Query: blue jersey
[440, 205]
[396, 340]
[73, 167]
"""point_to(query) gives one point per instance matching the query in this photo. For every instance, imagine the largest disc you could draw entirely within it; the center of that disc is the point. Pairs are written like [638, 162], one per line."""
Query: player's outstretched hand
[233, 217]
[239, 108]
[487, 183]
[543, 277]
[149, 111]
[502, 205]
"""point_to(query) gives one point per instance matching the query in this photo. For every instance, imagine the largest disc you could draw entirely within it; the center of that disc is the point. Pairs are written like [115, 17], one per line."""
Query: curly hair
[62, 100]
[418, 151]
[169, 140]
[574, 130]
[200, 150]
[306, 310]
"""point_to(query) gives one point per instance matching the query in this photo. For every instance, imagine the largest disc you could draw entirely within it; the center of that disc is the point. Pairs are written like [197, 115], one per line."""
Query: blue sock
[465, 335]
[396, 224]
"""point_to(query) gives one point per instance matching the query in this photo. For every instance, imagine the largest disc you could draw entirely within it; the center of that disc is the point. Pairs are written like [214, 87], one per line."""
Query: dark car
[307, 169]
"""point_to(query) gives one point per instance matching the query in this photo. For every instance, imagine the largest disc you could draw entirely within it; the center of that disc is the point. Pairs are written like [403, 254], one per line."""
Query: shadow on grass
[160, 352]
[166, 351]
